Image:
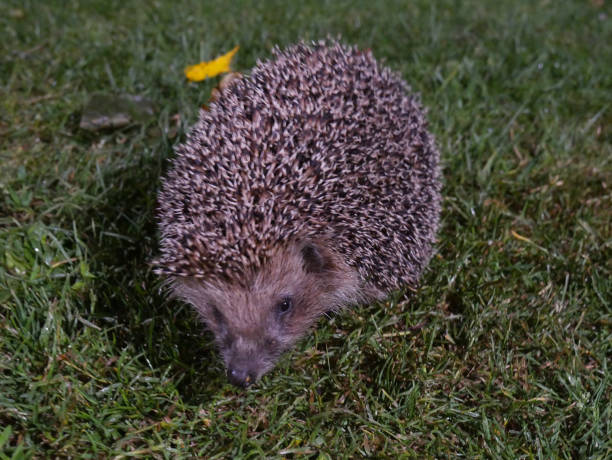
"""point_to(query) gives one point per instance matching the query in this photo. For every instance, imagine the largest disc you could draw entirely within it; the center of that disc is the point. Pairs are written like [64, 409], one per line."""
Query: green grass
[502, 353]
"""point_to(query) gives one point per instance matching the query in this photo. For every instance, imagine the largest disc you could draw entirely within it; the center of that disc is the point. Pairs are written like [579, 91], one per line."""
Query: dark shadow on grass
[120, 233]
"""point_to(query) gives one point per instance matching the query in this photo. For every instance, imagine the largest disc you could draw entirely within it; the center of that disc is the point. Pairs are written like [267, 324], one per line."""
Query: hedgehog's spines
[320, 140]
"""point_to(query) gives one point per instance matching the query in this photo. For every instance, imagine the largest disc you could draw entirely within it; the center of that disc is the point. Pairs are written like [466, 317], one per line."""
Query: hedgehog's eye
[218, 317]
[284, 305]
[217, 323]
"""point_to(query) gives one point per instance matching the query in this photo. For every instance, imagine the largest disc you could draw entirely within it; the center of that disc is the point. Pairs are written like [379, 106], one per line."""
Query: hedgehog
[306, 187]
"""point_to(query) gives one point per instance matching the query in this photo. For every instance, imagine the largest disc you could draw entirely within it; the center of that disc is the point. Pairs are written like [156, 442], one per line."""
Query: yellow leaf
[209, 69]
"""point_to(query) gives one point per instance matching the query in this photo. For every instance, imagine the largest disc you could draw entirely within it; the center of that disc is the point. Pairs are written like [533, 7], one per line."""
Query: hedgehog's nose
[240, 377]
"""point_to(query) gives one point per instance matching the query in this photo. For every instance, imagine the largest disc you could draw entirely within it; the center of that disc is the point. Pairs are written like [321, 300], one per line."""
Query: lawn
[503, 351]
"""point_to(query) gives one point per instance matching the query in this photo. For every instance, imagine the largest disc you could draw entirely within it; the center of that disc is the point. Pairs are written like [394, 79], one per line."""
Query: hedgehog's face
[254, 324]
[251, 349]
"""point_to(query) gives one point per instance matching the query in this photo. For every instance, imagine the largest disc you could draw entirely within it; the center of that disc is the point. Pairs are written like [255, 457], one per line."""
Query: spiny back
[318, 143]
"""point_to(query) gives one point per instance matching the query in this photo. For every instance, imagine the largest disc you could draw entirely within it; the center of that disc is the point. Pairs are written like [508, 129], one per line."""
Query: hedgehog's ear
[316, 259]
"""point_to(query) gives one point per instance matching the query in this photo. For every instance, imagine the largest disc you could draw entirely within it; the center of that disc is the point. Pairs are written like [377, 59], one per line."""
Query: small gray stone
[109, 111]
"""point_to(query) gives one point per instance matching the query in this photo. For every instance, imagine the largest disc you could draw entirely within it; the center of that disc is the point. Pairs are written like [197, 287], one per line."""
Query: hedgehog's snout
[245, 362]
[240, 376]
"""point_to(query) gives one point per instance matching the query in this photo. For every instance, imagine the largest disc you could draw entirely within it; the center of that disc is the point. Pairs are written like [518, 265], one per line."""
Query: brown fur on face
[248, 318]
